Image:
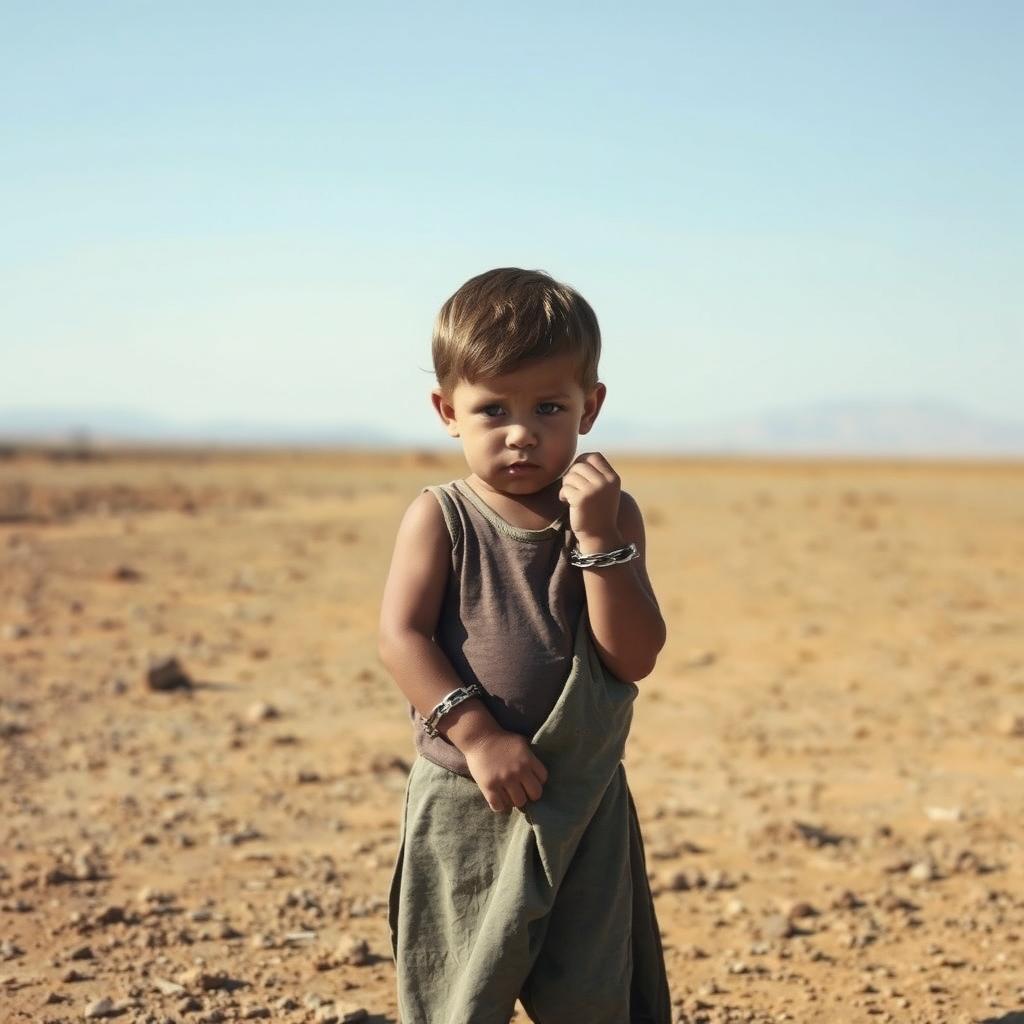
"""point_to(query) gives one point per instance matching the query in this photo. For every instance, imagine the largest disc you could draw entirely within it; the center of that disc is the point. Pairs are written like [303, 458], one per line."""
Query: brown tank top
[509, 616]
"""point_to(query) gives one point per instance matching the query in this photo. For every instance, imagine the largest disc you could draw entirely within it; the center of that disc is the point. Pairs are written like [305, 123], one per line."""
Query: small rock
[197, 979]
[110, 915]
[261, 711]
[167, 674]
[104, 1007]
[777, 926]
[354, 951]
[923, 871]
[168, 988]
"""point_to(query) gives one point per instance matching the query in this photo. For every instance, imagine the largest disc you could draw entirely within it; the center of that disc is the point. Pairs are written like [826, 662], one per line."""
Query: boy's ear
[591, 407]
[445, 411]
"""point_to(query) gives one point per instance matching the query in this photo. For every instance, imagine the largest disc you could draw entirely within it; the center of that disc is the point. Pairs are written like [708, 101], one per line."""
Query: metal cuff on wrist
[451, 700]
[603, 558]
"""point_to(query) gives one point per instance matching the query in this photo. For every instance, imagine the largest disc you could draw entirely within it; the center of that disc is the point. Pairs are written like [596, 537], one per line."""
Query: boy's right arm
[501, 763]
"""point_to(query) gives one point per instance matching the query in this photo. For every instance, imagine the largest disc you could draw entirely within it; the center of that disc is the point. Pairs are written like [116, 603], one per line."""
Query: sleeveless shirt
[508, 619]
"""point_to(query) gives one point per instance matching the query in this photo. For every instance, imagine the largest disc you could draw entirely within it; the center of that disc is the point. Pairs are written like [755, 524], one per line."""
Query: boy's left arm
[625, 622]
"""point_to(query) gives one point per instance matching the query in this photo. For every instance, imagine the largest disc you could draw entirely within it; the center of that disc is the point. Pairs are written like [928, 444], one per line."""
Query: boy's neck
[527, 511]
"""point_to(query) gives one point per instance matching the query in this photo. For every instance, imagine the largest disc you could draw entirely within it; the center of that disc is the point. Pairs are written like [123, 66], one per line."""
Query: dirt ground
[828, 761]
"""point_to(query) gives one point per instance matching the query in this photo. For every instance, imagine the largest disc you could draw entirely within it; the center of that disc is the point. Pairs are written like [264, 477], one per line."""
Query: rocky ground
[828, 761]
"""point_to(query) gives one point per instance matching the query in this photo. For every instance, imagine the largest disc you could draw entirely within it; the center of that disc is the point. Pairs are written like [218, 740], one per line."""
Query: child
[516, 618]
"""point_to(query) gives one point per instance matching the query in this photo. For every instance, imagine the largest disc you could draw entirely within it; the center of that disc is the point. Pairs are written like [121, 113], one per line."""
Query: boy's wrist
[597, 543]
[468, 724]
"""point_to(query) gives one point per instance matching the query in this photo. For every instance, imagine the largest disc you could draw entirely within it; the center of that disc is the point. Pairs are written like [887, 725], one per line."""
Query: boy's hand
[591, 488]
[507, 771]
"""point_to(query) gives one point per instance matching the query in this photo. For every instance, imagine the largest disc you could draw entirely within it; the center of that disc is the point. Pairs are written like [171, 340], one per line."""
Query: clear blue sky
[254, 210]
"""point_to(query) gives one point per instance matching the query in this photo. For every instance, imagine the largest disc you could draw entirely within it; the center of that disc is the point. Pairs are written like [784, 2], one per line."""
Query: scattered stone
[261, 711]
[10, 950]
[677, 881]
[924, 871]
[353, 1016]
[168, 988]
[196, 979]
[110, 915]
[354, 951]
[817, 835]
[105, 1007]
[167, 674]
[777, 926]
[847, 900]
[126, 574]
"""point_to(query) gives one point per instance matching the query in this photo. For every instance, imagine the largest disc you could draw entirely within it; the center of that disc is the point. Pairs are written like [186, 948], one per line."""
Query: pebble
[165, 674]
[105, 1007]
[167, 987]
[923, 871]
[777, 926]
[197, 978]
[261, 711]
[353, 950]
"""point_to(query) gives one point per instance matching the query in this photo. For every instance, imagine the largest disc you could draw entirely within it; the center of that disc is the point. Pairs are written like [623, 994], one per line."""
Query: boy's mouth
[519, 467]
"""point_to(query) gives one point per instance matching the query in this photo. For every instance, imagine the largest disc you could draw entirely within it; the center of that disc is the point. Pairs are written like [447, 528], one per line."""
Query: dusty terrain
[828, 761]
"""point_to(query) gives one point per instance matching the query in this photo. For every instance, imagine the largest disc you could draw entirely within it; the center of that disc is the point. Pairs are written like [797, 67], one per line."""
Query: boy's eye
[545, 408]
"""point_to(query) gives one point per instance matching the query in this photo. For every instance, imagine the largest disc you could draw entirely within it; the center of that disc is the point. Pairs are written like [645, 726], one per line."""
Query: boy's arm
[501, 763]
[625, 621]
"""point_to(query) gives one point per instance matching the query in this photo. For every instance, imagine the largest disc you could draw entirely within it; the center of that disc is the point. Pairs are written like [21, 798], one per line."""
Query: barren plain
[828, 761]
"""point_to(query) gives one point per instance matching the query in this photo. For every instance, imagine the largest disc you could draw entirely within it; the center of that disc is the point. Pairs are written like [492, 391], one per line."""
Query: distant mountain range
[921, 427]
[924, 427]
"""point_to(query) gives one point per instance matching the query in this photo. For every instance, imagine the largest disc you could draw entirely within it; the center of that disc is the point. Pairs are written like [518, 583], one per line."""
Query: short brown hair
[504, 317]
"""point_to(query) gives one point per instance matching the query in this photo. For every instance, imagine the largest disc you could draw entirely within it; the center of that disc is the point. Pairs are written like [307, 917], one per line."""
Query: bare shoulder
[425, 519]
[419, 569]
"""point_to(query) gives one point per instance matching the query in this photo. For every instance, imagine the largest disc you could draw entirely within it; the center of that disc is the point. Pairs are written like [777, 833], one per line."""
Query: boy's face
[519, 430]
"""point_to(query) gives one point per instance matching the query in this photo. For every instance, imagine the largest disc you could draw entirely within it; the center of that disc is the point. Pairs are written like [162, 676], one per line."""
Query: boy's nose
[520, 437]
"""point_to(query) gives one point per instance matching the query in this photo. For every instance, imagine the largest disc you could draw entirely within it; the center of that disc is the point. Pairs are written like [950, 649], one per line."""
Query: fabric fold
[550, 905]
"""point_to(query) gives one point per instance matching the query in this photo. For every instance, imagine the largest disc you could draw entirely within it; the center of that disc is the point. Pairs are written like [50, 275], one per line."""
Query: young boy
[516, 618]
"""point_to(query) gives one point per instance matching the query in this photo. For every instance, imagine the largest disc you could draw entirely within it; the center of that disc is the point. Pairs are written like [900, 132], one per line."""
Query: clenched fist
[591, 489]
